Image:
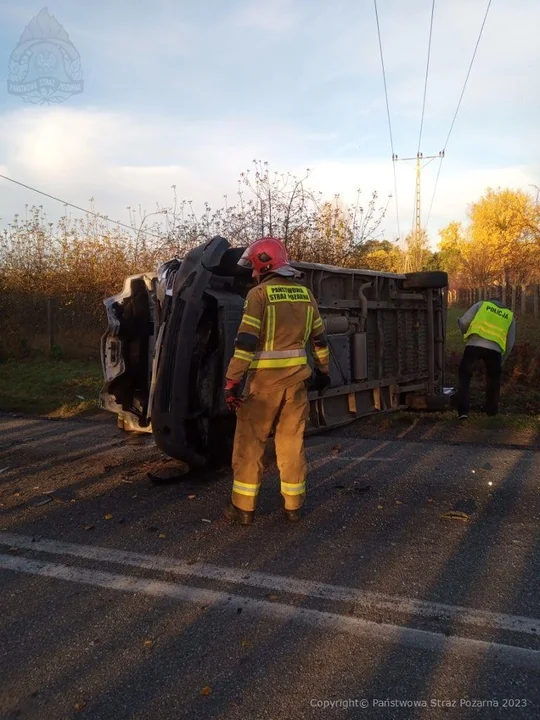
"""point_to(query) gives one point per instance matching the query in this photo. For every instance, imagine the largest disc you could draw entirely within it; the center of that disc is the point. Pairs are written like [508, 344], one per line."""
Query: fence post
[523, 299]
[503, 293]
[513, 307]
[50, 325]
[535, 301]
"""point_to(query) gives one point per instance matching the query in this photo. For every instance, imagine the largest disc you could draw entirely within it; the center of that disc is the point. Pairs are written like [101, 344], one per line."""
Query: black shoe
[292, 515]
[234, 514]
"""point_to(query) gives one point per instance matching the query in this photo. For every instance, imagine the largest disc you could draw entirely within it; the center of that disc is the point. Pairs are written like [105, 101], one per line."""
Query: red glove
[233, 398]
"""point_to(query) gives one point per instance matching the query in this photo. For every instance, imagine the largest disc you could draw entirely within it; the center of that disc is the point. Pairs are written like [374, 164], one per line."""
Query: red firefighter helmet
[265, 255]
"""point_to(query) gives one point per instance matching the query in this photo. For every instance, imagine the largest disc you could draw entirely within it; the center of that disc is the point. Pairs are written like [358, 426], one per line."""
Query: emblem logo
[45, 67]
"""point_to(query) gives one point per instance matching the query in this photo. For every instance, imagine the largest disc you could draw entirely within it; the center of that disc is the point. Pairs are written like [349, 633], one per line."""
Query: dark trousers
[493, 362]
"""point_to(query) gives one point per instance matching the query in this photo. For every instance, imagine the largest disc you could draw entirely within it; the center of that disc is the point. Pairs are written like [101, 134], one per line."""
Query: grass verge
[520, 386]
[477, 421]
[56, 388]
[52, 388]
[527, 331]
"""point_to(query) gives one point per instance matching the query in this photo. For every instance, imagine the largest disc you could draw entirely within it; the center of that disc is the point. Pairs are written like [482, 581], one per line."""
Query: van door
[126, 352]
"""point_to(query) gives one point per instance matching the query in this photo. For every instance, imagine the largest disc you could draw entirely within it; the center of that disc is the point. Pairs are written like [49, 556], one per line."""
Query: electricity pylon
[417, 234]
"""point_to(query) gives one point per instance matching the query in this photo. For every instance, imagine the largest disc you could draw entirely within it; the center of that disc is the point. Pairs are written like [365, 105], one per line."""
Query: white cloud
[122, 160]
[272, 15]
[77, 154]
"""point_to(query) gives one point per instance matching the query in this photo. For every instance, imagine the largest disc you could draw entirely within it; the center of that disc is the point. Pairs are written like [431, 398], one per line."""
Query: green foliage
[49, 387]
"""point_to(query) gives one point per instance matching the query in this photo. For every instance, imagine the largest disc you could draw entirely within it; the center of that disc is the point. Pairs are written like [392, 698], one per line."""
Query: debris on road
[362, 488]
[207, 690]
[43, 501]
[455, 515]
[168, 475]
[108, 517]
[89, 527]
[4, 469]
[353, 488]
[191, 497]
[206, 520]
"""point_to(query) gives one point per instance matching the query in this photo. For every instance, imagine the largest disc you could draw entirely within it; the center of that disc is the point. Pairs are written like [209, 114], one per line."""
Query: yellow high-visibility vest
[491, 322]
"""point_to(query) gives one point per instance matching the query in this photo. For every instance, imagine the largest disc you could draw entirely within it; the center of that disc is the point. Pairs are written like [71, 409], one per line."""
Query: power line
[468, 74]
[388, 116]
[434, 192]
[427, 74]
[76, 207]
[458, 106]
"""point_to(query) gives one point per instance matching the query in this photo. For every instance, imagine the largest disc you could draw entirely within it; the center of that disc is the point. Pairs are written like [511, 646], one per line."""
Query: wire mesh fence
[523, 299]
[60, 327]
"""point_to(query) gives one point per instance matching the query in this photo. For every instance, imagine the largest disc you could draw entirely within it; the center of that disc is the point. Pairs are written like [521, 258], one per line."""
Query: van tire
[425, 280]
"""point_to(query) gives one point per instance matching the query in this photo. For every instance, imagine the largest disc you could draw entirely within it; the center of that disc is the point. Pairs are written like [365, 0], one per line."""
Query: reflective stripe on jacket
[492, 323]
[280, 319]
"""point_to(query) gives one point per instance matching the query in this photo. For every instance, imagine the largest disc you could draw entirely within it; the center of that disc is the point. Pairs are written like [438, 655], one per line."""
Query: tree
[503, 224]
[417, 253]
[450, 245]
[281, 205]
[500, 245]
[381, 255]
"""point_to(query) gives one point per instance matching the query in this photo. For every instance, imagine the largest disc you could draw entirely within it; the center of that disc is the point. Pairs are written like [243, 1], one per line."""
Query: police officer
[489, 329]
[280, 318]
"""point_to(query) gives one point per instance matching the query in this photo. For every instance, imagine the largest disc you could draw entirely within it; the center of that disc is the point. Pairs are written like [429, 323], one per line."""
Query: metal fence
[62, 327]
[523, 299]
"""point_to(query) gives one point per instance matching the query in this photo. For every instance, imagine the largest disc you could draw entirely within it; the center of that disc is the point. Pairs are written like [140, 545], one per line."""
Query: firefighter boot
[292, 515]
[235, 515]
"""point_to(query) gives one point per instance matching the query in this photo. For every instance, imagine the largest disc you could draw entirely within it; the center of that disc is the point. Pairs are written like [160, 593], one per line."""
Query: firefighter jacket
[280, 319]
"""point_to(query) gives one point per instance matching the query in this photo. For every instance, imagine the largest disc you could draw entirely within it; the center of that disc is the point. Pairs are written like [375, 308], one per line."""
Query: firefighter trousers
[284, 412]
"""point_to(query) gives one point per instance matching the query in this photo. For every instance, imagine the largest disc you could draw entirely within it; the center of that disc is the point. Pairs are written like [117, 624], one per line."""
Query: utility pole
[417, 234]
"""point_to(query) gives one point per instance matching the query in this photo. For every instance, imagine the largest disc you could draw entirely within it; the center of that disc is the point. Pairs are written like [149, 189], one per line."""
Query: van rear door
[126, 352]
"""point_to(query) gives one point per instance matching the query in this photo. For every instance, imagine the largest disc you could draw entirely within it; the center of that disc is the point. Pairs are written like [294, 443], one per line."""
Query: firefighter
[280, 318]
[489, 329]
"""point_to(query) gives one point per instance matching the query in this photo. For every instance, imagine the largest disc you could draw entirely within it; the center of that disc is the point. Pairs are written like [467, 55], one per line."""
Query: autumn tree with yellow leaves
[499, 246]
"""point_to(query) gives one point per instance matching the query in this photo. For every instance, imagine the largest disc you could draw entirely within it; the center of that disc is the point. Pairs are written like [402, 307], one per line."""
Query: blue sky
[189, 93]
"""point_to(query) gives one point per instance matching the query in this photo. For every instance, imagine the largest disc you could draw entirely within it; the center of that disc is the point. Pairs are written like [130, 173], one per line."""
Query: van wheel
[425, 280]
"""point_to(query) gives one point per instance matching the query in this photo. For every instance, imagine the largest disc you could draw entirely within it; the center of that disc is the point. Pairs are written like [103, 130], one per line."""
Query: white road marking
[365, 600]
[251, 608]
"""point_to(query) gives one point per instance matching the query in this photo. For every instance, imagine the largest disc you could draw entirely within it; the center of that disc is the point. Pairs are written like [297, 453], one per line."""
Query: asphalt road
[123, 599]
